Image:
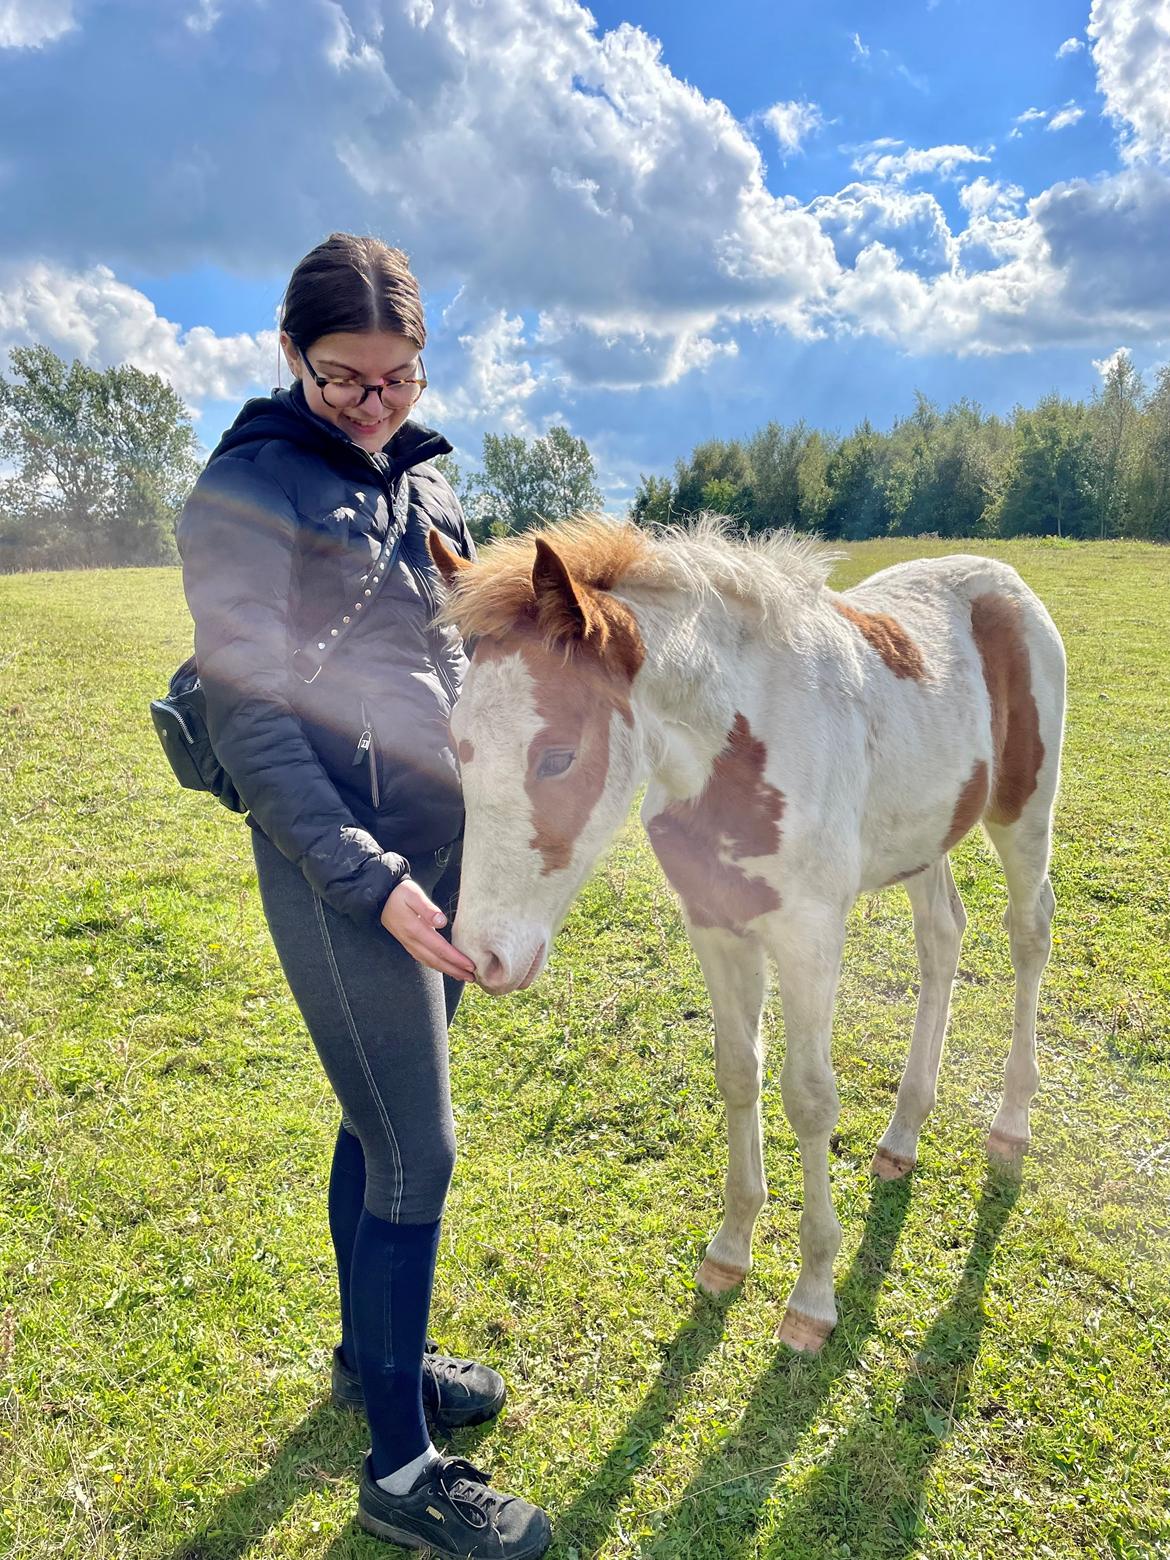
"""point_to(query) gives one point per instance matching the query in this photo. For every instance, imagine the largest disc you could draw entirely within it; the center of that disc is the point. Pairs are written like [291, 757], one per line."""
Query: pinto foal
[802, 747]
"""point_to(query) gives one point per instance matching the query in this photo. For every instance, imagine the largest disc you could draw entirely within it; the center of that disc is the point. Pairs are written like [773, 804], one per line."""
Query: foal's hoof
[888, 1166]
[804, 1333]
[716, 1278]
[1008, 1150]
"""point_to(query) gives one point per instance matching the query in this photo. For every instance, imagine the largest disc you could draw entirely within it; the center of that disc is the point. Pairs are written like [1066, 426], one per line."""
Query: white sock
[401, 1481]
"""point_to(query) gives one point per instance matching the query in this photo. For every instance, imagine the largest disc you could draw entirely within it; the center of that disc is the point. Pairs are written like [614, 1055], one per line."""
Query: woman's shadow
[868, 1493]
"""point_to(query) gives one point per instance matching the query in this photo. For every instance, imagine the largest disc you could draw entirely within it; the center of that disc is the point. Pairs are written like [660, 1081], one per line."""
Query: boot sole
[408, 1540]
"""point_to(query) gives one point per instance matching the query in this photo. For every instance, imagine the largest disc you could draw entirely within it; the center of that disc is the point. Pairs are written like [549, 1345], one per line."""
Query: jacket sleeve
[237, 540]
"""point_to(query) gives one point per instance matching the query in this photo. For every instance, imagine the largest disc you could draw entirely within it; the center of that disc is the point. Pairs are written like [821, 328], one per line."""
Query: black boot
[452, 1511]
[456, 1393]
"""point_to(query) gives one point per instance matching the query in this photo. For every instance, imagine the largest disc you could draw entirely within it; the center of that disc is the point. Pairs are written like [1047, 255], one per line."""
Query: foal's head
[547, 739]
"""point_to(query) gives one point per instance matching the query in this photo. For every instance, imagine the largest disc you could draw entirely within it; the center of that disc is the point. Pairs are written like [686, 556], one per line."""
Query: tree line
[1063, 467]
[95, 465]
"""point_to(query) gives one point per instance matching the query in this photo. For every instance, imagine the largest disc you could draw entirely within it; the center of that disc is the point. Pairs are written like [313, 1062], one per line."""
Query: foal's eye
[554, 762]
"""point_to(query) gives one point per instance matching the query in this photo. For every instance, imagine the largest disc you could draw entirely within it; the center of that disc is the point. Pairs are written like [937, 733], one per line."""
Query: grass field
[999, 1383]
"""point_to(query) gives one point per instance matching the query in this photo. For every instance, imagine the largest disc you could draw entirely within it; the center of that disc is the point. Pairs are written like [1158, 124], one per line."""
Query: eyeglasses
[345, 394]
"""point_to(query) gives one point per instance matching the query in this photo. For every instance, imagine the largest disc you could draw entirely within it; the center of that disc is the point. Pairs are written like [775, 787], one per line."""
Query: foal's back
[960, 680]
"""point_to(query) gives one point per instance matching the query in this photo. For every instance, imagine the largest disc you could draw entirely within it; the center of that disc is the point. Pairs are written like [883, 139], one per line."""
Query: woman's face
[367, 356]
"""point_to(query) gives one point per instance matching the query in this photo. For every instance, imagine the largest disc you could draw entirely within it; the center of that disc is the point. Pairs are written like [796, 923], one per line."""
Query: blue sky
[658, 221]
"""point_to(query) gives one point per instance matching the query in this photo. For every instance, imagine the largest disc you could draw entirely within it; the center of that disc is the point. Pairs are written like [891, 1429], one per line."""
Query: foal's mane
[772, 574]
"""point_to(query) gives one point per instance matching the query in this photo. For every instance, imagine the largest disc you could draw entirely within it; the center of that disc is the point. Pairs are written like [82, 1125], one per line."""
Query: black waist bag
[180, 718]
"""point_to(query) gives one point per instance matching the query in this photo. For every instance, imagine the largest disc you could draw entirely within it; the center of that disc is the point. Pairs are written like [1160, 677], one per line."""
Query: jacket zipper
[365, 750]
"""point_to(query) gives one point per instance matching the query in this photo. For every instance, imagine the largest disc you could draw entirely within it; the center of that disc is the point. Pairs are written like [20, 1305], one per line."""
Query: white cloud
[1106, 365]
[988, 197]
[29, 24]
[1131, 49]
[1031, 113]
[93, 316]
[911, 224]
[1070, 46]
[792, 122]
[552, 173]
[1068, 115]
[915, 162]
[861, 50]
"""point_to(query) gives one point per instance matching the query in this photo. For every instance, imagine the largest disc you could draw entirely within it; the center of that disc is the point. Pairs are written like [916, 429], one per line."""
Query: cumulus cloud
[1131, 50]
[29, 24]
[1070, 46]
[942, 162]
[911, 224]
[604, 222]
[1063, 117]
[790, 123]
[92, 316]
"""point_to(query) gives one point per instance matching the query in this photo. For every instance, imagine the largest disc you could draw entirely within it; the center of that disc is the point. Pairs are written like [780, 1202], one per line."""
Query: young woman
[328, 693]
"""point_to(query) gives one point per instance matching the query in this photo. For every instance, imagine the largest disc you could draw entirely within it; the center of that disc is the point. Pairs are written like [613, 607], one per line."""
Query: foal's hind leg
[1024, 848]
[735, 969]
[939, 921]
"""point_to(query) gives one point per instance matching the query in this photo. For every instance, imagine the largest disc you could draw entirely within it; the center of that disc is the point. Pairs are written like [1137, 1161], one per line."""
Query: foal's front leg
[808, 954]
[735, 969]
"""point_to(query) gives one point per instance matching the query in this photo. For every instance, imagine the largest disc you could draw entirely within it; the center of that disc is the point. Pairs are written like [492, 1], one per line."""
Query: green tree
[103, 461]
[1116, 414]
[715, 461]
[1049, 487]
[856, 506]
[1149, 494]
[524, 484]
[653, 501]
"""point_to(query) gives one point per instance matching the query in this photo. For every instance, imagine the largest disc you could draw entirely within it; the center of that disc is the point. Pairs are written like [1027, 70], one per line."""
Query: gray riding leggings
[378, 1020]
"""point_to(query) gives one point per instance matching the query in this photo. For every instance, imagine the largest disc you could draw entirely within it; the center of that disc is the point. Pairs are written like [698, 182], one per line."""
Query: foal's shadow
[866, 1498]
[586, 1523]
[884, 1465]
[788, 1397]
[782, 1404]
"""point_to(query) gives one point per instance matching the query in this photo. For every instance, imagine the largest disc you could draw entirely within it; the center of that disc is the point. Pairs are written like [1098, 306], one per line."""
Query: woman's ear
[291, 356]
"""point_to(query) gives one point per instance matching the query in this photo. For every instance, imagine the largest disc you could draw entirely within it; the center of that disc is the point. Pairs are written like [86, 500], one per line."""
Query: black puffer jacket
[276, 538]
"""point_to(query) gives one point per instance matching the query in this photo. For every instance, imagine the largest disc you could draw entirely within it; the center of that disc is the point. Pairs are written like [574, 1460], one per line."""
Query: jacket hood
[285, 415]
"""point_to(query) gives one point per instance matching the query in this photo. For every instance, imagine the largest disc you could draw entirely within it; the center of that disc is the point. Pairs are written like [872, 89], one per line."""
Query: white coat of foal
[802, 747]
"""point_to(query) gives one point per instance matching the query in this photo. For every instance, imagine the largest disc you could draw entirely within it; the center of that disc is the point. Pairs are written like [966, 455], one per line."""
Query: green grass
[997, 1386]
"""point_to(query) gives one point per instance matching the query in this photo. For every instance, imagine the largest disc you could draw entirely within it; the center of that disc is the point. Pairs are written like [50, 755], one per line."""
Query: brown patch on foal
[466, 750]
[736, 815]
[969, 808]
[582, 649]
[887, 636]
[1015, 722]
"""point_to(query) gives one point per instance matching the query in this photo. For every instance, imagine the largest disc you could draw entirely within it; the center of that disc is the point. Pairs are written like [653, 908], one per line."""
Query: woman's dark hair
[350, 283]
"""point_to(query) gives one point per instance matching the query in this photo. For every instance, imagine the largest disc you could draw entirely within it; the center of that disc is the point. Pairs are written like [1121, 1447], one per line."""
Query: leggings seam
[360, 1049]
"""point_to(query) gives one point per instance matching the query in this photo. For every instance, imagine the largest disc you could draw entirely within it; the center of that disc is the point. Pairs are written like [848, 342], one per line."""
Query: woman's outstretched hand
[411, 917]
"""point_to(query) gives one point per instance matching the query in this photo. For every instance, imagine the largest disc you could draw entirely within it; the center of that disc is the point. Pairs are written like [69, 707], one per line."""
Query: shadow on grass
[866, 1498]
[585, 1525]
[326, 1447]
[323, 1447]
[587, 1522]
[869, 1495]
[732, 1486]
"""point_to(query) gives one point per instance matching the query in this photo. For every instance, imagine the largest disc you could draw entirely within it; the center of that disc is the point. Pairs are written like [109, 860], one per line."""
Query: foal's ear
[562, 608]
[449, 564]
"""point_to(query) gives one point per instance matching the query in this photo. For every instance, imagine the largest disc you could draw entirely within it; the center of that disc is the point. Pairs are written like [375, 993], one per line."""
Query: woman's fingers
[428, 946]
[411, 917]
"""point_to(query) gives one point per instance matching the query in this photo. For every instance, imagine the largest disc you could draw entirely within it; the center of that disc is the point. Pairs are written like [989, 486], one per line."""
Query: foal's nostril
[491, 970]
